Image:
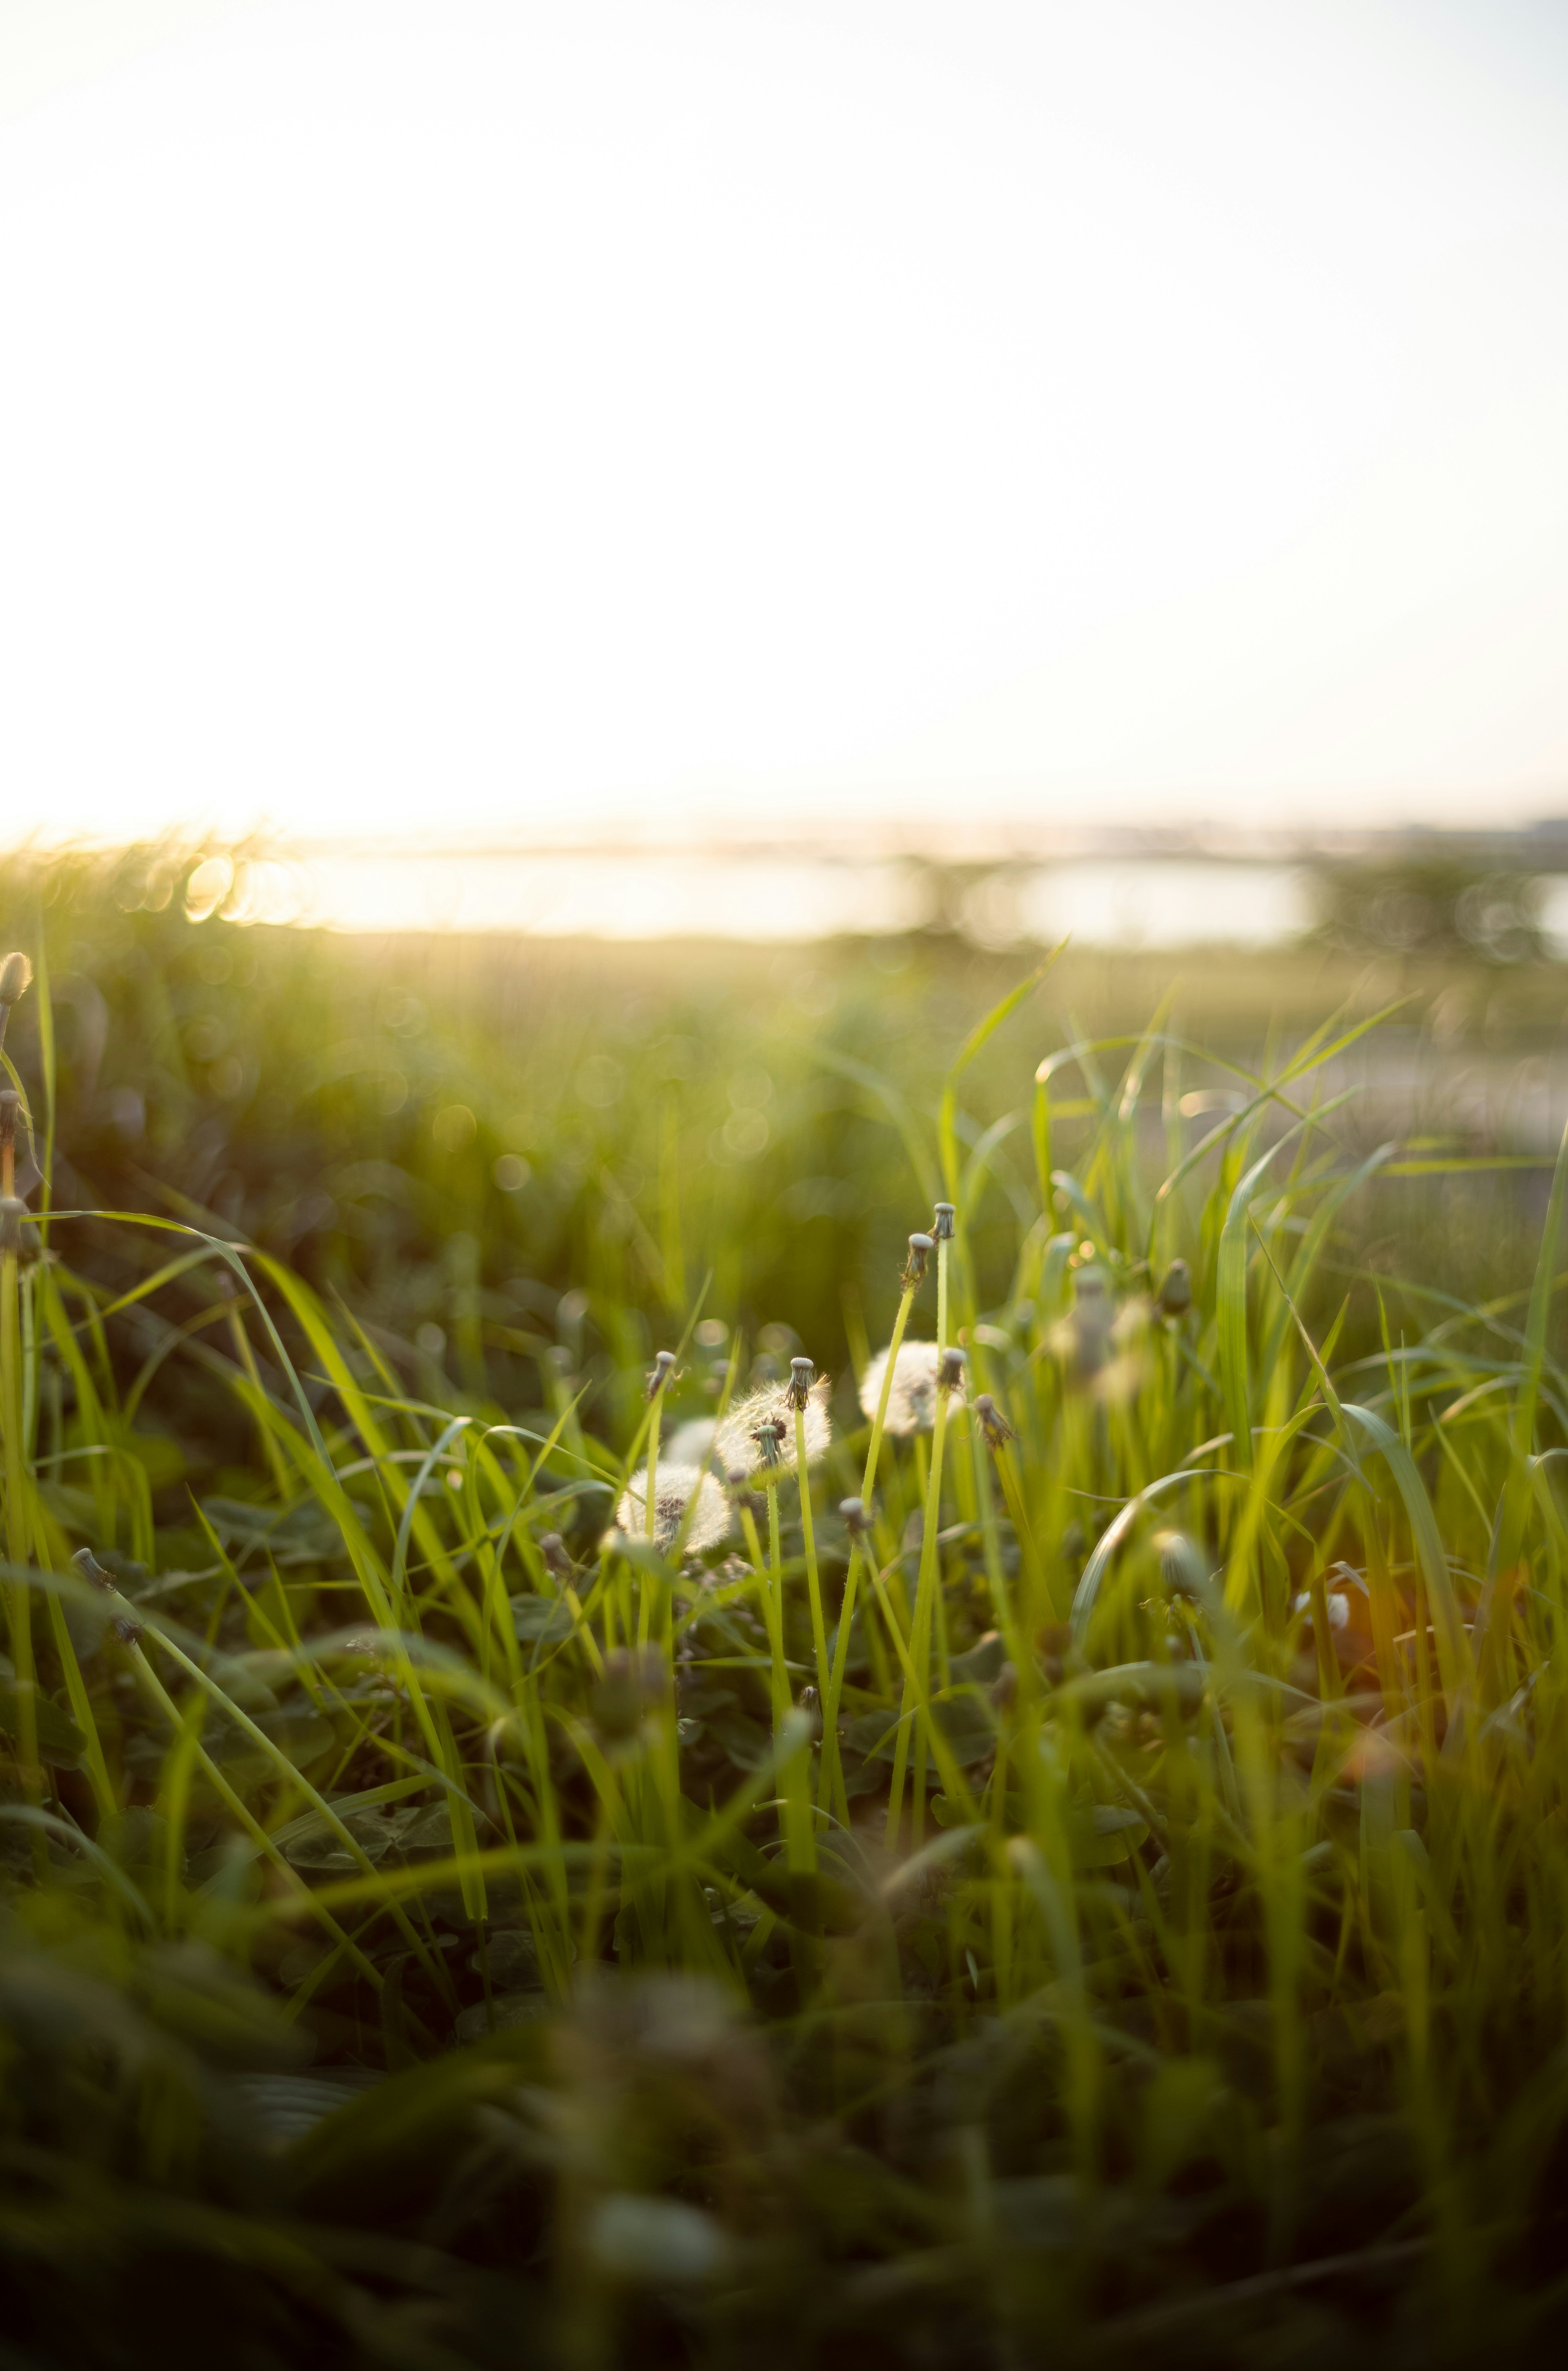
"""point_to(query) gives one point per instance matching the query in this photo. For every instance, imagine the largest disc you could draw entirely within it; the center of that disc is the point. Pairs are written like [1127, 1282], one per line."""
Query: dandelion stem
[809, 1540]
[917, 1699]
[20, 1595]
[800, 1842]
[650, 1508]
[832, 1777]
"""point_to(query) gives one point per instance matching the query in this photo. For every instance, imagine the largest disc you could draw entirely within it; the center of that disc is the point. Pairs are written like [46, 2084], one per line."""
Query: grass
[1078, 1871]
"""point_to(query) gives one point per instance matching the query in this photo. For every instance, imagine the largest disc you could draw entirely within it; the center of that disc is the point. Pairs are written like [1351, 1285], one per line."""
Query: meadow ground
[1049, 1845]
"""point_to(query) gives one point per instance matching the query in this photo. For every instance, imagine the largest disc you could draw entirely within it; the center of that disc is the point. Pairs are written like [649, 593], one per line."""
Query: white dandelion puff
[675, 1489]
[911, 1403]
[1082, 1339]
[691, 1443]
[734, 1440]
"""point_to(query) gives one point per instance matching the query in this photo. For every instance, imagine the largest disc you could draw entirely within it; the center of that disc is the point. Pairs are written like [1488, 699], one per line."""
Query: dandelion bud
[552, 1548]
[12, 1213]
[768, 1437]
[1054, 1643]
[16, 977]
[951, 1378]
[942, 1223]
[1182, 1569]
[664, 1367]
[802, 1375]
[857, 1519]
[1176, 1292]
[88, 1567]
[633, 1684]
[920, 1249]
[998, 1432]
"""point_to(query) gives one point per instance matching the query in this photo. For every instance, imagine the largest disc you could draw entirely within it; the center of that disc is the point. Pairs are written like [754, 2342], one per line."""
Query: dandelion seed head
[691, 1443]
[1335, 1599]
[735, 1442]
[911, 1402]
[675, 1488]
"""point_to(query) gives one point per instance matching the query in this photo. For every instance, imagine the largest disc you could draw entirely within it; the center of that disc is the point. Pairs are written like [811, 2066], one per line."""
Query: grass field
[1050, 1848]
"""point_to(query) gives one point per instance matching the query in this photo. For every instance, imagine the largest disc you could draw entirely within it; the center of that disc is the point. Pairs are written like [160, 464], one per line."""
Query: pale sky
[473, 416]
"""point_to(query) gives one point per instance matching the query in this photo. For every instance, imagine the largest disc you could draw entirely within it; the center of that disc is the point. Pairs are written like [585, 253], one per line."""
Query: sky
[453, 421]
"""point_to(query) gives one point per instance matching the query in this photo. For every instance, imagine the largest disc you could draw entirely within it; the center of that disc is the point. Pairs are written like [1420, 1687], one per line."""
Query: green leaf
[60, 1743]
[298, 1534]
[541, 1621]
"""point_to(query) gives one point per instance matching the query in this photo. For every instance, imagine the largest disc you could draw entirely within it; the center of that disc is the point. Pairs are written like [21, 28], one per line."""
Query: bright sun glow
[772, 416]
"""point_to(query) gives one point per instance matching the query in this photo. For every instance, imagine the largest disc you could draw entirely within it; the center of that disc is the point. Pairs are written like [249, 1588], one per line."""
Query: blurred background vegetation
[505, 1153]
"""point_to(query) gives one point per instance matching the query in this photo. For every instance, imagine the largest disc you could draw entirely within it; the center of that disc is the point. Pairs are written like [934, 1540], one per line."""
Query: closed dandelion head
[633, 1684]
[802, 1375]
[770, 1436]
[663, 1368]
[994, 1424]
[16, 977]
[737, 1484]
[1119, 1377]
[950, 1376]
[676, 1490]
[856, 1517]
[1176, 1291]
[1183, 1571]
[920, 1249]
[912, 1399]
[557, 1560]
[942, 1222]
[737, 1441]
[1082, 1338]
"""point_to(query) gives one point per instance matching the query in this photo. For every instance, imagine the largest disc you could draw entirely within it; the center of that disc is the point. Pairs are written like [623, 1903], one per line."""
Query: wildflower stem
[809, 1540]
[918, 1699]
[20, 1595]
[832, 1777]
[650, 1508]
[800, 1843]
